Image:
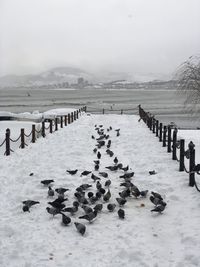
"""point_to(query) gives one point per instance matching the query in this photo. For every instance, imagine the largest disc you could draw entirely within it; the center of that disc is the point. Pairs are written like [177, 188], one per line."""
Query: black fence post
[160, 132]
[69, 118]
[61, 121]
[56, 124]
[51, 126]
[77, 114]
[169, 139]
[121, 111]
[72, 116]
[33, 134]
[153, 122]
[103, 111]
[43, 129]
[65, 120]
[22, 139]
[157, 123]
[182, 155]
[7, 142]
[164, 135]
[174, 144]
[191, 163]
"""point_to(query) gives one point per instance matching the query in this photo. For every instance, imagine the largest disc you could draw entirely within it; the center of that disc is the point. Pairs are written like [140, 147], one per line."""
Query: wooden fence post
[7, 142]
[77, 114]
[169, 139]
[157, 122]
[121, 111]
[182, 155]
[61, 122]
[51, 126]
[160, 134]
[72, 116]
[22, 138]
[43, 129]
[69, 119]
[153, 122]
[33, 134]
[103, 111]
[65, 120]
[174, 144]
[56, 124]
[164, 135]
[191, 163]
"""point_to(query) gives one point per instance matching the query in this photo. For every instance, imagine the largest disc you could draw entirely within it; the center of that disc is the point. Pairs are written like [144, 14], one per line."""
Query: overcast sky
[139, 36]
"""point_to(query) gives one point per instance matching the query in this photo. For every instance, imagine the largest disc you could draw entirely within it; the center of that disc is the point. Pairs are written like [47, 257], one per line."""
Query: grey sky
[141, 36]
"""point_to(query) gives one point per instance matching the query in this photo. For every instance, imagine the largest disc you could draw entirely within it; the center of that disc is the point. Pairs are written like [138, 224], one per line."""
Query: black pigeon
[90, 194]
[111, 207]
[72, 209]
[61, 190]
[126, 184]
[92, 137]
[53, 211]
[25, 208]
[107, 196]
[98, 207]
[90, 216]
[95, 178]
[102, 190]
[121, 213]
[30, 203]
[94, 199]
[98, 194]
[80, 190]
[104, 174]
[85, 173]
[57, 205]
[109, 152]
[125, 193]
[87, 209]
[157, 201]
[97, 162]
[31, 174]
[120, 165]
[72, 172]
[160, 208]
[115, 160]
[95, 150]
[47, 182]
[85, 186]
[121, 201]
[109, 144]
[96, 167]
[143, 193]
[83, 200]
[125, 168]
[127, 175]
[112, 168]
[108, 183]
[98, 155]
[98, 185]
[152, 172]
[80, 228]
[157, 195]
[65, 219]
[50, 192]
[135, 191]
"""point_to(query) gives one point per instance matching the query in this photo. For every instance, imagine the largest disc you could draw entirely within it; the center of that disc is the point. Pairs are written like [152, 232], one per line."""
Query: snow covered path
[35, 239]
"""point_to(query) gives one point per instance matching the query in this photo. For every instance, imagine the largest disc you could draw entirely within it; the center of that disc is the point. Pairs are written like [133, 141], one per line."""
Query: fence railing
[111, 110]
[168, 137]
[47, 126]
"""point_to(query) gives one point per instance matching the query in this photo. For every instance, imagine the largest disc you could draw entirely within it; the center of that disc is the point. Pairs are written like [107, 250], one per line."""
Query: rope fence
[53, 126]
[168, 136]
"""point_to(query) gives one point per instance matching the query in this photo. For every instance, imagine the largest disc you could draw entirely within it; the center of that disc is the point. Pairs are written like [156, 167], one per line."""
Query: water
[166, 105]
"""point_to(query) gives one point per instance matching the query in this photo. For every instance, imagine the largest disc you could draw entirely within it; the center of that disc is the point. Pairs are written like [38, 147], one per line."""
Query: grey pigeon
[98, 207]
[80, 228]
[85, 173]
[50, 192]
[65, 219]
[104, 174]
[53, 211]
[90, 216]
[95, 178]
[121, 201]
[72, 172]
[107, 196]
[160, 208]
[47, 182]
[121, 213]
[111, 206]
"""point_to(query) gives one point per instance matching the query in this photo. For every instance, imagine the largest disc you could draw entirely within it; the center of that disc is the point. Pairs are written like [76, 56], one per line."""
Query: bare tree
[188, 76]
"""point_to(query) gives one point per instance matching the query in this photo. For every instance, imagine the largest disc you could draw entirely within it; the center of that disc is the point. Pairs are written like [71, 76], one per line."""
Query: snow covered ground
[143, 238]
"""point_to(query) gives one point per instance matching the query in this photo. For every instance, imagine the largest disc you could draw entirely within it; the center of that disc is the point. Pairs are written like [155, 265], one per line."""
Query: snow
[141, 239]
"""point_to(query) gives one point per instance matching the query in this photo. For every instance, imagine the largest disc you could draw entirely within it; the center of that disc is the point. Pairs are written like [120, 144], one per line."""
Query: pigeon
[96, 167]
[90, 194]
[80, 228]
[126, 184]
[30, 203]
[104, 174]
[31, 174]
[157, 195]
[98, 195]
[115, 160]
[135, 191]
[98, 155]
[47, 182]
[85, 186]
[65, 219]
[93, 199]
[100, 143]
[120, 165]
[144, 193]
[92, 137]
[90, 216]
[87, 209]
[109, 152]
[72, 172]
[111, 207]
[121, 213]
[102, 190]
[112, 168]
[72, 209]
[25, 208]
[157, 201]
[108, 183]
[152, 172]
[57, 205]
[97, 162]
[109, 144]
[98, 185]
[98, 207]
[121, 201]
[127, 175]
[85, 173]
[50, 192]
[125, 193]
[95, 178]
[159, 208]
[107, 196]
[53, 211]
[95, 150]
[125, 168]
[61, 190]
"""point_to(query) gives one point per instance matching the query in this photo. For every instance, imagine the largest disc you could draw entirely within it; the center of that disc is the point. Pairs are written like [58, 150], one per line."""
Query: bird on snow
[108, 183]
[125, 193]
[95, 178]
[80, 228]
[53, 211]
[95, 150]
[47, 182]
[98, 185]
[65, 219]
[112, 168]
[97, 162]
[111, 206]
[143, 193]
[87, 209]
[121, 213]
[109, 144]
[90, 216]
[96, 167]
[98, 155]
[152, 172]
[61, 190]
[85, 173]
[121, 201]
[119, 165]
[57, 205]
[102, 190]
[157, 195]
[85, 186]
[107, 196]
[50, 192]
[98, 194]
[115, 160]
[90, 194]
[127, 175]
[125, 168]
[160, 208]
[104, 174]
[72, 209]
[98, 207]
[30, 203]
[72, 172]
[109, 152]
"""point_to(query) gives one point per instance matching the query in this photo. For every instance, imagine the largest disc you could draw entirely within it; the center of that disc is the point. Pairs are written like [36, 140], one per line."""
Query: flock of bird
[91, 198]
